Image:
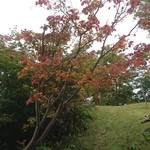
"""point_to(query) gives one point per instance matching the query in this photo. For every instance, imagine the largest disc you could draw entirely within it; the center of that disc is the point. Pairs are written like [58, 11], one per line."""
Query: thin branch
[78, 49]
[117, 10]
[62, 91]
[111, 49]
[46, 112]
[133, 28]
[37, 108]
[103, 48]
[72, 95]
[90, 41]
[43, 40]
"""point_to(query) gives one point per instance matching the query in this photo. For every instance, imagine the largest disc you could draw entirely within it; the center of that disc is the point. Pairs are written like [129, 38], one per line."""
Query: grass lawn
[115, 128]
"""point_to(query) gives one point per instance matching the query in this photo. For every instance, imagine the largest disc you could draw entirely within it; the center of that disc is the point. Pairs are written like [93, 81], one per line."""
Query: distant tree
[143, 13]
[142, 84]
[13, 94]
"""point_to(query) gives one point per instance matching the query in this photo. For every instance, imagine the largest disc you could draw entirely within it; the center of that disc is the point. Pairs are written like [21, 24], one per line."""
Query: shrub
[74, 119]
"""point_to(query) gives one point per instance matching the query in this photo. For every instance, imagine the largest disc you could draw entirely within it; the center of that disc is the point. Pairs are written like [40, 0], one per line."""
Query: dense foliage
[13, 94]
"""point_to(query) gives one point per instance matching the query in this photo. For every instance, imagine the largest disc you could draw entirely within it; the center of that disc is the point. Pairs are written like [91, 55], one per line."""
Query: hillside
[116, 128]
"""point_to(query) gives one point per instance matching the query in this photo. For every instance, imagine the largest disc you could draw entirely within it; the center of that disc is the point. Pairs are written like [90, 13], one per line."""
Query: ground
[116, 128]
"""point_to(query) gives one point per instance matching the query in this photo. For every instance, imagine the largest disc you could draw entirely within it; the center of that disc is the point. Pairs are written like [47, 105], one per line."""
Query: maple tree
[58, 59]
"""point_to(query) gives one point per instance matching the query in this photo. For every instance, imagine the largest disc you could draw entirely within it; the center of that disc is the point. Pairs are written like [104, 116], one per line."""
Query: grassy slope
[116, 128]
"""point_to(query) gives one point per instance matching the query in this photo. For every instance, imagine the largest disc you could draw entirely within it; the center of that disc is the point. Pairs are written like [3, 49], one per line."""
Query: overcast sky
[26, 15]
[22, 13]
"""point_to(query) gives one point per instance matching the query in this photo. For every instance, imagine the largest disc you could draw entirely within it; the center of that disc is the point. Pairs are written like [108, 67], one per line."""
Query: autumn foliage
[64, 58]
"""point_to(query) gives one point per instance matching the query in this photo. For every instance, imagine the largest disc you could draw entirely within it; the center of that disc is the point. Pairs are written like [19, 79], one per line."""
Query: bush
[74, 119]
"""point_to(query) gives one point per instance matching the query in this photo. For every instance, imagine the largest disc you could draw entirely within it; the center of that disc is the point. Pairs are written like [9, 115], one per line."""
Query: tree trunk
[36, 138]
[37, 128]
[31, 144]
[50, 125]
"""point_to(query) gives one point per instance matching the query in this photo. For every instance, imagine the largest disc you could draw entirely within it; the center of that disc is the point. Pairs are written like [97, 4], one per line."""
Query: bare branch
[111, 49]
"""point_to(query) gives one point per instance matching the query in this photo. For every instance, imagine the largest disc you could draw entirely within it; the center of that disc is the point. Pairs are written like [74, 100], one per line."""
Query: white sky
[26, 15]
[22, 13]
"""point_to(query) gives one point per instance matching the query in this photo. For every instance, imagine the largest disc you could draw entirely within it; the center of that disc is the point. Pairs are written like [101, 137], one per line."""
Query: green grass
[115, 128]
